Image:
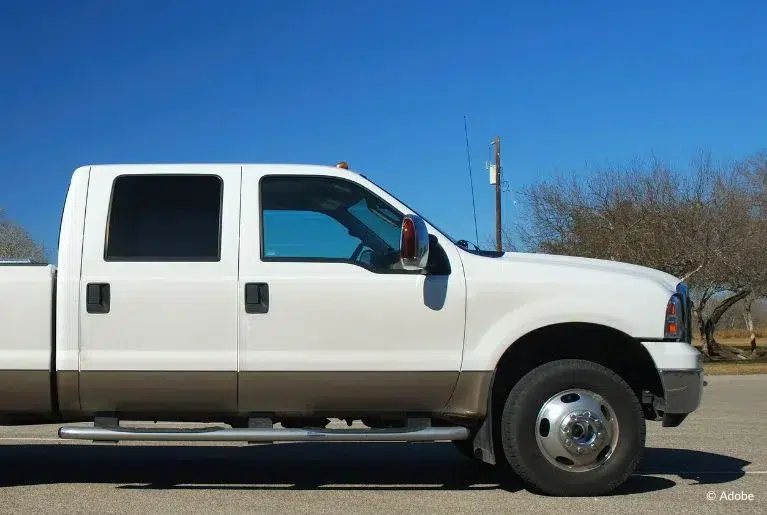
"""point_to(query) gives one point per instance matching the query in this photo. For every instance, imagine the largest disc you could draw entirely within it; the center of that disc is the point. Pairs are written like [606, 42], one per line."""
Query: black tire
[518, 428]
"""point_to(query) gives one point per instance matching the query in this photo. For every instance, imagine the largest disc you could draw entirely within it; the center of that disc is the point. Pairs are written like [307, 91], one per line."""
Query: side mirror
[414, 243]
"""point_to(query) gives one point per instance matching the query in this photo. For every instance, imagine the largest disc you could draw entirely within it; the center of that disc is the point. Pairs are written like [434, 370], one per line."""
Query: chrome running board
[225, 434]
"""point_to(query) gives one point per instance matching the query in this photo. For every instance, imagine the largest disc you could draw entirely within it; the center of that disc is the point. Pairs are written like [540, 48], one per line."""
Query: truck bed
[26, 341]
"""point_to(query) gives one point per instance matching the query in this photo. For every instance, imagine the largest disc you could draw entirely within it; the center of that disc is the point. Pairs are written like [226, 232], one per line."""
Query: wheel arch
[602, 344]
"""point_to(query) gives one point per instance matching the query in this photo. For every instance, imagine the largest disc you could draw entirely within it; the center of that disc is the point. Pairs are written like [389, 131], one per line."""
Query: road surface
[720, 452]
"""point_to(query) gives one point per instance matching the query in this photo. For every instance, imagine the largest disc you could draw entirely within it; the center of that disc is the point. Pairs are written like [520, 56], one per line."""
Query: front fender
[491, 329]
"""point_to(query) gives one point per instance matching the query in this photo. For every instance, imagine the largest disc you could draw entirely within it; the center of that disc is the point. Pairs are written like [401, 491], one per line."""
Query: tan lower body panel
[471, 393]
[68, 386]
[25, 391]
[208, 393]
[348, 392]
[158, 392]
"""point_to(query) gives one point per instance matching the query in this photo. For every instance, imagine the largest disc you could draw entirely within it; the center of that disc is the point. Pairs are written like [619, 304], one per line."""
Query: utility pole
[498, 232]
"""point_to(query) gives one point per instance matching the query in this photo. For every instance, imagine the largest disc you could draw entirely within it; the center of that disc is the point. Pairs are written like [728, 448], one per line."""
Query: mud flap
[483, 442]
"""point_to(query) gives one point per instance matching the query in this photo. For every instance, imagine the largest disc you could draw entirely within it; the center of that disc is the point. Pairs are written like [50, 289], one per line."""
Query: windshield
[388, 224]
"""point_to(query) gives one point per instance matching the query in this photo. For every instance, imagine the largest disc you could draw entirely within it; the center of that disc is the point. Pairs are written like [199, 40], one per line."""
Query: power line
[471, 180]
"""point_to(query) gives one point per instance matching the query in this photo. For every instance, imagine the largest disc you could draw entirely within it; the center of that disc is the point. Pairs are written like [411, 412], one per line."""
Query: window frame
[343, 261]
[165, 259]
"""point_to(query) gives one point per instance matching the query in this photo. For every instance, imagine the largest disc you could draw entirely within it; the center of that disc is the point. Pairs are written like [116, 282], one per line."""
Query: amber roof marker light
[343, 164]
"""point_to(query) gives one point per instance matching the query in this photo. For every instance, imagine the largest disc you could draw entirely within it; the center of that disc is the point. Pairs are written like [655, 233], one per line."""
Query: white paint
[164, 315]
[705, 473]
[31, 439]
[26, 296]
[338, 316]
[514, 295]
[68, 278]
[322, 316]
[674, 355]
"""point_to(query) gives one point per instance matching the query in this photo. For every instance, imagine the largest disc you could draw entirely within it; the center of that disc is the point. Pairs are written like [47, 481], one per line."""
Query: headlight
[674, 324]
[678, 323]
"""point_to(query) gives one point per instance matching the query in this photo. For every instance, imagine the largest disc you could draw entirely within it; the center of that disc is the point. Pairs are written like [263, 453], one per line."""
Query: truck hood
[663, 279]
[511, 295]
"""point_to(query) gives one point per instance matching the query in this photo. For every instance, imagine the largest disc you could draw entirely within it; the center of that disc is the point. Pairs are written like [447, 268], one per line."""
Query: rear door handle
[256, 298]
[97, 297]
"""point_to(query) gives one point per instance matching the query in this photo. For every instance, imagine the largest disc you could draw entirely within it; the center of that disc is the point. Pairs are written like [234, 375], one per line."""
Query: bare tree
[16, 243]
[728, 272]
[749, 318]
[700, 224]
[753, 248]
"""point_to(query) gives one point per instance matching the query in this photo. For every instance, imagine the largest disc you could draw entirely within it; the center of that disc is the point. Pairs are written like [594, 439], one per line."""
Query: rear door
[158, 289]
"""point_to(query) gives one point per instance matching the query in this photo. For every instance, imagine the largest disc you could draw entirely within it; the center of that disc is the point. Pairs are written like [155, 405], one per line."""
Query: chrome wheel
[576, 430]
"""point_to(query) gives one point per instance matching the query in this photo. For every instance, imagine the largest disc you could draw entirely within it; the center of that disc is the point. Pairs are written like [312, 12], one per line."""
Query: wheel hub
[582, 432]
[576, 430]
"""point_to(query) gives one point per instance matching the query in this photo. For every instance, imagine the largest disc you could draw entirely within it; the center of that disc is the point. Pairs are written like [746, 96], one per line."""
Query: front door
[158, 290]
[332, 323]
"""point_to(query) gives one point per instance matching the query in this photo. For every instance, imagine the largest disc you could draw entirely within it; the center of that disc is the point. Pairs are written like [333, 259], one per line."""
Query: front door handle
[97, 297]
[256, 298]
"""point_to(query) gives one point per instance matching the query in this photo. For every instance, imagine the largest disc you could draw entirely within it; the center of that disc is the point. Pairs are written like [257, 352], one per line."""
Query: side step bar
[225, 434]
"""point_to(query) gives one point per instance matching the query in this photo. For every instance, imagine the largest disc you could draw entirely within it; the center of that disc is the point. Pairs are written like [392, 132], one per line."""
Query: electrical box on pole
[493, 176]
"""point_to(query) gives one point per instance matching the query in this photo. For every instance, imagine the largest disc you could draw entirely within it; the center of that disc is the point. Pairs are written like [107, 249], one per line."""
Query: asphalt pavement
[715, 462]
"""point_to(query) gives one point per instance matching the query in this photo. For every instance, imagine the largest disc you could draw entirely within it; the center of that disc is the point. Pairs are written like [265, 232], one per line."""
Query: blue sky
[383, 85]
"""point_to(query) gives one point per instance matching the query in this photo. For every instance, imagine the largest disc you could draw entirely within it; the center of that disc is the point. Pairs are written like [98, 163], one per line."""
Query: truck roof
[306, 169]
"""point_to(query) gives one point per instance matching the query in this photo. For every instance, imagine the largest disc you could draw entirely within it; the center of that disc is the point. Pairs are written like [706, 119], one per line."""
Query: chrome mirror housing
[414, 243]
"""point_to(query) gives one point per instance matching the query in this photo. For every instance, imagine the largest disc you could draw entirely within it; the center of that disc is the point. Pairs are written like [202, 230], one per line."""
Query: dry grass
[733, 338]
[756, 365]
[761, 332]
[718, 368]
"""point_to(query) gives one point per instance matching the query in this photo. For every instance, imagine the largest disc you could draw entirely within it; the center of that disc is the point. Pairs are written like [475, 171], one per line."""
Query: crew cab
[272, 298]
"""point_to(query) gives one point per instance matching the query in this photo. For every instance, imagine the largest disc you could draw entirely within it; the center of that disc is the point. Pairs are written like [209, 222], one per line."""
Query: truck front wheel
[572, 427]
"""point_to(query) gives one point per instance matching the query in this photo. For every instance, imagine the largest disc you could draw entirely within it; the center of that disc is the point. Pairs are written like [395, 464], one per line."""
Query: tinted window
[386, 223]
[310, 218]
[165, 218]
[329, 239]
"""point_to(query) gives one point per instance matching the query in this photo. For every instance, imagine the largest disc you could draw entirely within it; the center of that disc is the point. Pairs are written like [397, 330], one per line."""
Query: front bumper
[680, 368]
[683, 391]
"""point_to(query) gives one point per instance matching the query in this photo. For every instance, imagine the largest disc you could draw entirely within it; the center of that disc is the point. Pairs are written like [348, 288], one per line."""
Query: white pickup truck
[271, 298]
